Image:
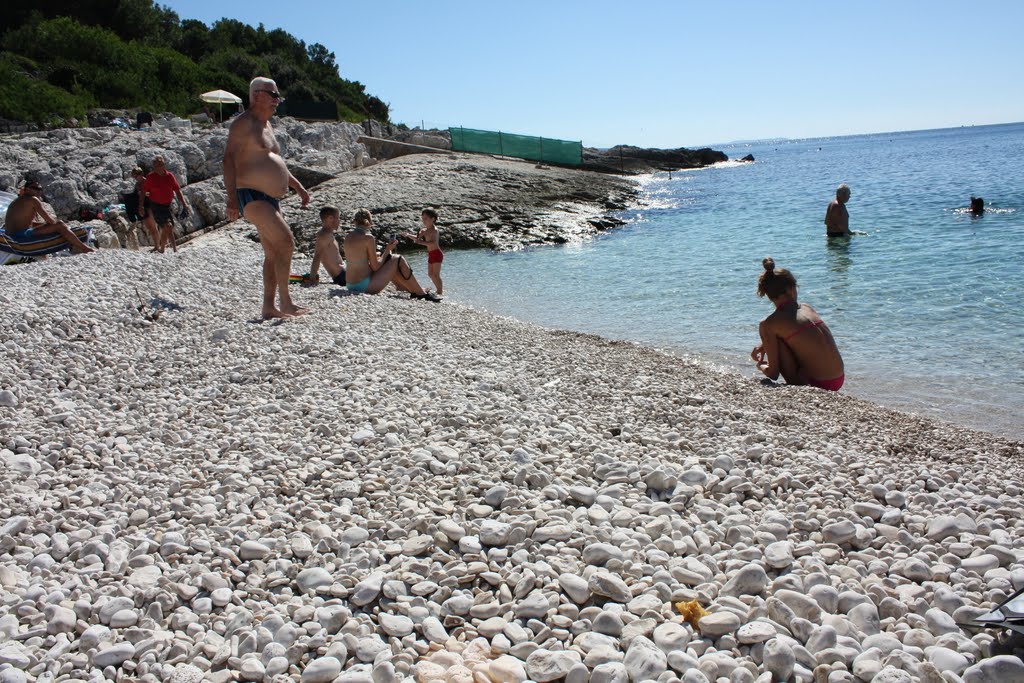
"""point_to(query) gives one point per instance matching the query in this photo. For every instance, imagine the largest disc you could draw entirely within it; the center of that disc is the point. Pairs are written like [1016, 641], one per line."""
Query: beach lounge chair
[12, 251]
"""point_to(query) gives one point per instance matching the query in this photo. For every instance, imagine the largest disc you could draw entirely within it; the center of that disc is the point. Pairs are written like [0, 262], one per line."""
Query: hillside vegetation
[58, 59]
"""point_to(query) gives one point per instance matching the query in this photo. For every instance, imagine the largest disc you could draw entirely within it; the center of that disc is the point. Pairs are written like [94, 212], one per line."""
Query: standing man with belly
[837, 218]
[256, 179]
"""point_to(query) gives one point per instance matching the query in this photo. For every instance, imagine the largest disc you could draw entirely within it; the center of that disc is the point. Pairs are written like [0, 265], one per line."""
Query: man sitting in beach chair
[30, 230]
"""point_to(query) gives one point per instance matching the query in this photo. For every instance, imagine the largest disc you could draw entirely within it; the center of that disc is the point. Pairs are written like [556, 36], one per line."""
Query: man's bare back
[24, 212]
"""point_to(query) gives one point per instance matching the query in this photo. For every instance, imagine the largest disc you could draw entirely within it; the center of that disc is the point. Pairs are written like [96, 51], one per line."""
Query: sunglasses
[273, 93]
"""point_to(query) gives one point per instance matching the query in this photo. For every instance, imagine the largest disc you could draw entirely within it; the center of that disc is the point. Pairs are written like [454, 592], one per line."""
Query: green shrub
[137, 54]
[26, 98]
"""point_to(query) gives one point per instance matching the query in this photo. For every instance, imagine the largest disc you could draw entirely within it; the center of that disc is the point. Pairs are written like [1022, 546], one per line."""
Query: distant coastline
[788, 140]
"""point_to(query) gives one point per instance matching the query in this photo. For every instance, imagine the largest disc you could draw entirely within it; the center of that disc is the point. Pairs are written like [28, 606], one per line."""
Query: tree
[194, 41]
[66, 56]
[320, 56]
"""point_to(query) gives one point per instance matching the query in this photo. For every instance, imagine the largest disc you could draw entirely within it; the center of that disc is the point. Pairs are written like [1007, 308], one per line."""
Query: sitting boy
[325, 251]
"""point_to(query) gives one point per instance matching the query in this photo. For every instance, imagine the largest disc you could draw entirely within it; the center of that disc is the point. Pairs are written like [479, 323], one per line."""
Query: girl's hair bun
[768, 264]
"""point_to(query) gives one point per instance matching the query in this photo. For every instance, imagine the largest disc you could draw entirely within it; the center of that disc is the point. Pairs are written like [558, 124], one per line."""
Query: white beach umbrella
[220, 97]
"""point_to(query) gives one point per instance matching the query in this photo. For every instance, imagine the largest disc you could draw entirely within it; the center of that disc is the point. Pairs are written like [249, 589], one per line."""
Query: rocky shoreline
[500, 204]
[485, 202]
[628, 159]
[388, 490]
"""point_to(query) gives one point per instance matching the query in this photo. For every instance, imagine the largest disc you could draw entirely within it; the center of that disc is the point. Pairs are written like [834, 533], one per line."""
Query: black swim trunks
[131, 207]
[161, 213]
[339, 279]
[246, 195]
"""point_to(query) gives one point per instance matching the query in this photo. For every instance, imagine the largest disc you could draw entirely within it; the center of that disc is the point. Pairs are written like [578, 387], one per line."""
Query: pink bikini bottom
[829, 384]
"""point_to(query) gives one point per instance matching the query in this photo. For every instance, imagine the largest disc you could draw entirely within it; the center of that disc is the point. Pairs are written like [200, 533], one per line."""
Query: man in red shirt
[162, 187]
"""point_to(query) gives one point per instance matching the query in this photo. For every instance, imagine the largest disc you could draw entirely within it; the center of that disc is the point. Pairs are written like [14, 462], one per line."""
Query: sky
[667, 74]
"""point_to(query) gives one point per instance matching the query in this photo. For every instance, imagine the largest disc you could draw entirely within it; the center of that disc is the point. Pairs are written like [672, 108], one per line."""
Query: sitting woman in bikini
[795, 341]
[366, 272]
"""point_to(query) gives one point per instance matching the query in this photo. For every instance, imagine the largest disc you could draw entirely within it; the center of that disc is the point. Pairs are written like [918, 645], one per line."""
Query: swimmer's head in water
[774, 282]
[977, 205]
[362, 218]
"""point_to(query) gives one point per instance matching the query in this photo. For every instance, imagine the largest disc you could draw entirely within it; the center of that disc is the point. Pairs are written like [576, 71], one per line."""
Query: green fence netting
[548, 150]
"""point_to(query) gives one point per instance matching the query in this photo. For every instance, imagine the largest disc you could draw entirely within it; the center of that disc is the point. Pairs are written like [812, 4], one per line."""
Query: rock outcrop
[501, 204]
[634, 160]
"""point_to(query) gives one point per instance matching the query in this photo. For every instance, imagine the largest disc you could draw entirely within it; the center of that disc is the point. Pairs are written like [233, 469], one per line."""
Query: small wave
[966, 211]
[731, 163]
[659, 203]
[646, 179]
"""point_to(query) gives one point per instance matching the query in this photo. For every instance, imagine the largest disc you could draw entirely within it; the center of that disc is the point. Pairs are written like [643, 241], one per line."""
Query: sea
[926, 302]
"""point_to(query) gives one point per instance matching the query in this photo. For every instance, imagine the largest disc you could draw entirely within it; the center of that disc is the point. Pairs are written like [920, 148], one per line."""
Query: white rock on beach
[1002, 668]
[644, 660]
[610, 586]
[719, 623]
[313, 578]
[545, 665]
[113, 655]
[323, 670]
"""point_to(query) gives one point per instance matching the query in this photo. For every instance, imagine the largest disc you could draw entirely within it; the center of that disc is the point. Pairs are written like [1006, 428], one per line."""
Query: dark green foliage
[59, 58]
[26, 98]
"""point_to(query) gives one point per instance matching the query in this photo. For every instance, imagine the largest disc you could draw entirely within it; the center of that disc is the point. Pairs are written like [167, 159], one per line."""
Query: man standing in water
[837, 218]
[256, 179]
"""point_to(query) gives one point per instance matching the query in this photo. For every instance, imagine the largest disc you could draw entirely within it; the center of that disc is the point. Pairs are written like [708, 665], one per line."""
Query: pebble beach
[392, 490]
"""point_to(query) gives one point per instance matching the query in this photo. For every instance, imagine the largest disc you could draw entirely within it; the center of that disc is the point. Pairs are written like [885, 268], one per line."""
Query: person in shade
[368, 273]
[837, 218]
[325, 249]
[256, 179]
[137, 206]
[795, 341]
[162, 187]
[27, 220]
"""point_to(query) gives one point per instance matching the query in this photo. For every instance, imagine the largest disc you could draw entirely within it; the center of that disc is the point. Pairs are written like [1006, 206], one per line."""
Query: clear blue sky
[667, 73]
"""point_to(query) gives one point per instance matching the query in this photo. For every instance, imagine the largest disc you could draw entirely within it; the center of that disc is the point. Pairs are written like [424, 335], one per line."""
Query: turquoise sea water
[927, 306]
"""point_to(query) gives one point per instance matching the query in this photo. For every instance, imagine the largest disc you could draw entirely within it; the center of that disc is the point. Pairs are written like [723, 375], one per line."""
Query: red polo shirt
[161, 188]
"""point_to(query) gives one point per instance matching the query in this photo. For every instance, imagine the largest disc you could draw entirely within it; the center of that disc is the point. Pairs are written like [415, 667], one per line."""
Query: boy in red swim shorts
[429, 237]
